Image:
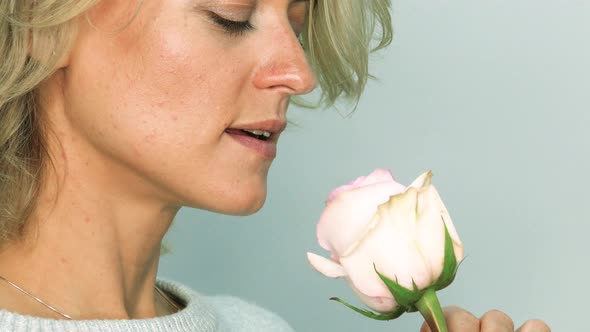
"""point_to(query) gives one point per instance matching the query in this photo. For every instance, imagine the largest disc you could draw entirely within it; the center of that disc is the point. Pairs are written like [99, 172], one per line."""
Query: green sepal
[403, 296]
[388, 316]
[449, 265]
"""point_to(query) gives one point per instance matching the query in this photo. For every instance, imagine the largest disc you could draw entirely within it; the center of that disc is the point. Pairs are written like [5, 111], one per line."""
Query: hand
[460, 320]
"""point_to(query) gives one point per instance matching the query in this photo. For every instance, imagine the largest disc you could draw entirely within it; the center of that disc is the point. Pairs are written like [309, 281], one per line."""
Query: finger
[425, 328]
[534, 325]
[458, 320]
[496, 321]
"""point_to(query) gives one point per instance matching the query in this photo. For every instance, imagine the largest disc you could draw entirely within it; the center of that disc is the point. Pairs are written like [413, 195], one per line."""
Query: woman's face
[163, 102]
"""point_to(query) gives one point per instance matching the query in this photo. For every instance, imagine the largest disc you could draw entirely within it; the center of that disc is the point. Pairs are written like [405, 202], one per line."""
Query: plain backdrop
[493, 97]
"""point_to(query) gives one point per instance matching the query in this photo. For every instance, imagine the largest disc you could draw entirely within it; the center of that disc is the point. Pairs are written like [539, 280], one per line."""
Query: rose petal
[377, 176]
[382, 304]
[391, 248]
[348, 215]
[430, 234]
[432, 196]
[396, 253]
[423, 180]
[360, 270]
[325, 266]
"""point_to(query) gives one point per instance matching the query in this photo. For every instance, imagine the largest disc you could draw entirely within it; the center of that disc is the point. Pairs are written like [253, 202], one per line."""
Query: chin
[236, 205]
[245, 206]
[240, 209]
[245, 211]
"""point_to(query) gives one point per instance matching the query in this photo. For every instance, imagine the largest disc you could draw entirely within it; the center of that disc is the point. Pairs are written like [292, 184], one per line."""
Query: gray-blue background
[493, 97]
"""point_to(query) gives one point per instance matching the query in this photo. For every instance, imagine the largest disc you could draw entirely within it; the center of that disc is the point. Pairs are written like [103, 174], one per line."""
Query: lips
[258, 134]
[267, 130]
[260, 137]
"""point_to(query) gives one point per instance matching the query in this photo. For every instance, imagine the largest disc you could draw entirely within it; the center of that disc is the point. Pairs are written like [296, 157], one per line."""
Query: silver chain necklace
[158, 290]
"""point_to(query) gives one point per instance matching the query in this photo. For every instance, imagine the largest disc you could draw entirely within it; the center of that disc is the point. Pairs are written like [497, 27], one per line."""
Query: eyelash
[233, 28]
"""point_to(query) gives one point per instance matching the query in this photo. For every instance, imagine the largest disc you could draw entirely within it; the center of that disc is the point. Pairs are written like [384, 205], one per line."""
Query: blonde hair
[35, 34]
[338, 38]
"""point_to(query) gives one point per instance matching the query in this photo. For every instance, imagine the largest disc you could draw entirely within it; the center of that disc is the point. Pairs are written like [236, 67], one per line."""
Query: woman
[114, 114]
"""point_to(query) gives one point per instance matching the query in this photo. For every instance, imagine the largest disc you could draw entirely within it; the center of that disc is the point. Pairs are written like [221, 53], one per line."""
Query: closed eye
[233, 28]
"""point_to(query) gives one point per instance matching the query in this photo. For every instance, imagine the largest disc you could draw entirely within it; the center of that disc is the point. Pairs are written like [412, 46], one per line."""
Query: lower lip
[266, 149]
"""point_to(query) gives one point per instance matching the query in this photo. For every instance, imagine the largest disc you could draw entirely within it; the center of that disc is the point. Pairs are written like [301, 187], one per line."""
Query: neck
[92, 244]
[90, 256]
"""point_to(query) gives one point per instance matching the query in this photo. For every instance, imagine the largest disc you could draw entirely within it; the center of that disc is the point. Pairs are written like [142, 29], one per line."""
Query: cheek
[150, 92]
[173, 70]
[157, 98]
[185, 78]
[167, 84]
[167, 70]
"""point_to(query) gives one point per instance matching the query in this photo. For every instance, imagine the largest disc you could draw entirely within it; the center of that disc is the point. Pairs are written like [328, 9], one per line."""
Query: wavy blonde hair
[338, 37]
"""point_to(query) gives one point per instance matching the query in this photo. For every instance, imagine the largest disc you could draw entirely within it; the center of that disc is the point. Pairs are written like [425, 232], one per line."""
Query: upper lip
[274, 126]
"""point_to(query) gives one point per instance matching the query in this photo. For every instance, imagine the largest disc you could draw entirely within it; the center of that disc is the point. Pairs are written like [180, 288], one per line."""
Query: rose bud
[392, 244]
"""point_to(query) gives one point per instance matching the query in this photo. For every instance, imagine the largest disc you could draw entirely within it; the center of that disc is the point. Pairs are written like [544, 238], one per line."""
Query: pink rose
[375, 222]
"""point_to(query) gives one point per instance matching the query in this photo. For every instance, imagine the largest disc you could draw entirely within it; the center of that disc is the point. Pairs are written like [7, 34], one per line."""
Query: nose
[283, 65]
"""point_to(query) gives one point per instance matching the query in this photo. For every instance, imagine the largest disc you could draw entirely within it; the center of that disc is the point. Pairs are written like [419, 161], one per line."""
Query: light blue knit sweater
[201, 314]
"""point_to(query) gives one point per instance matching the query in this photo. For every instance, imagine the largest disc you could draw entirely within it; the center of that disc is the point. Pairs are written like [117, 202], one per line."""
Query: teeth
[259, 132]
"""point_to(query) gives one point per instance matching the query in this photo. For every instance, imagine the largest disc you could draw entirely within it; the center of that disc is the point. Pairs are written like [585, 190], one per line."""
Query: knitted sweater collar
[197, 316]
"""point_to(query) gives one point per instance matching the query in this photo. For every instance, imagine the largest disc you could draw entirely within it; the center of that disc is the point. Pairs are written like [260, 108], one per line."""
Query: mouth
[266, 131]
[258, 134]
[260, 137]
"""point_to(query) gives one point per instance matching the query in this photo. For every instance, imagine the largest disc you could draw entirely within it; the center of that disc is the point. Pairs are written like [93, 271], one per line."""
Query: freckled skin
[136, 120]
[150, 104]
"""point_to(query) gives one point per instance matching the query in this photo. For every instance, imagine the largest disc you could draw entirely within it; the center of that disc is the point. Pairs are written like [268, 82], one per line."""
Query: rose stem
[430, 309]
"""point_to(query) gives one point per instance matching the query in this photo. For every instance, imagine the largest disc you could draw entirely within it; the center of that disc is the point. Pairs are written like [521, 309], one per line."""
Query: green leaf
[450, 263]
[402, 295]
[392, 315]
